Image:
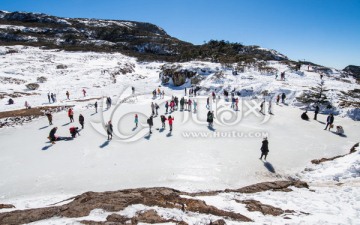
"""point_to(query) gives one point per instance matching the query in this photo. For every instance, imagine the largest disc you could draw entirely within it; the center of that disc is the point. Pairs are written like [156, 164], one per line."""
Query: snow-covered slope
[34, 173]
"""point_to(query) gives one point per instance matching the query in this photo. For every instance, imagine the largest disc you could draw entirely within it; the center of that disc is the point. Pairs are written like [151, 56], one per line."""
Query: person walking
[71, 115]
[264, 148]
[317, 109]
[277, 99]
[81, 121]
[84, 92]
[329, 121]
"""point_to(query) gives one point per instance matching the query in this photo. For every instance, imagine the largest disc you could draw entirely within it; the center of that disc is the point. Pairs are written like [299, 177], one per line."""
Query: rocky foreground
[167, 198]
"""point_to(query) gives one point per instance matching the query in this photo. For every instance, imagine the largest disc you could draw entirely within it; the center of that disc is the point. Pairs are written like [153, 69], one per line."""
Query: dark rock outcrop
[353, 71]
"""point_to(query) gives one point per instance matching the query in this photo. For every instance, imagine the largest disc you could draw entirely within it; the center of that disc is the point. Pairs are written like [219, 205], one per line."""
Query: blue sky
[326, 32]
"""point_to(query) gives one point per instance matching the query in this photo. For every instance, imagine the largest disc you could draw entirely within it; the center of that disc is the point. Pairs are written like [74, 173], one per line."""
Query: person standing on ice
[262, 106]
[84, 92]
[237, 104]
[277, 99]
[95, 105]
[109, 130]
[264, 148]
[136, 120]
[133, 90]
[185, 91]
[210, 118]
[189, 104]
[269, 107]
[71, 115]
[52, 97]
[329, 121]
[163, 94]
[182, 102]
[283, 96]
[152, 109]
[166, 107]
[170, 119]
[52, 136]
[81, 121]
[156, 109]
[163, 119]
[49, 98]
[176, 101]
[214, 96]
[195, 105]
[49, 117]
[317, 109]
[208, 103]
[67, 95]
[150, 123]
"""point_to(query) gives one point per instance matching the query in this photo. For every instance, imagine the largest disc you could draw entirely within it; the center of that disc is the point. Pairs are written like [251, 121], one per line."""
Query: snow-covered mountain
[195, 174]
[143, 40]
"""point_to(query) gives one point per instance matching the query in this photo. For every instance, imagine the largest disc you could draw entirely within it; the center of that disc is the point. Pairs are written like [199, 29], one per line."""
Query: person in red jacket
[170, 119]
[71, 115]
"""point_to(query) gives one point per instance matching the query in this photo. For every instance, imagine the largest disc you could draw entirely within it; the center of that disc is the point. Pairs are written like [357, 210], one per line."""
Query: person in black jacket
[52, 135]
[109, 130]
[81, 121]
[264, 148]
[304, 116]
[317, 109]
[329, 121]
[150, 122]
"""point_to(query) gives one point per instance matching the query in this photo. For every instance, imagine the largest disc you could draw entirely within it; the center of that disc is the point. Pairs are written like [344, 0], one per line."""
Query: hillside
[143, 40]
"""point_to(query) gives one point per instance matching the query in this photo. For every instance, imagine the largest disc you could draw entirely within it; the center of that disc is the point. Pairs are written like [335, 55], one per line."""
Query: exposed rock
[149, 216]
[61, 66]
[253, 205]
[197, 79]
[218, 222]
[117, 218]
[179, 79]
[32, 86]
[353, 71]
[318, 161]
[6, 206]
[116, 201]
[270, 186]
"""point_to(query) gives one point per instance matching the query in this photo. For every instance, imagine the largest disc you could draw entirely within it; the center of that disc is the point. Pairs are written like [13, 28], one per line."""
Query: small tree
[315, 95]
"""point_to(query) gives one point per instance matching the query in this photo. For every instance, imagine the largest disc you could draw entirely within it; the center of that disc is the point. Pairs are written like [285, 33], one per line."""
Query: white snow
[35, 174]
